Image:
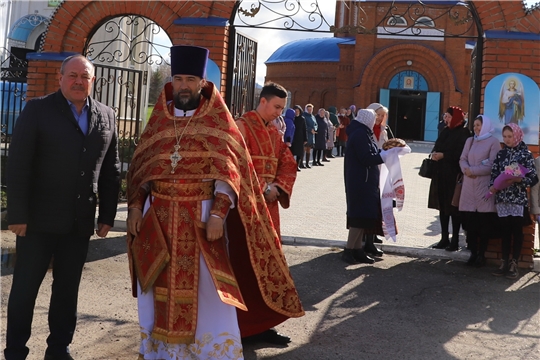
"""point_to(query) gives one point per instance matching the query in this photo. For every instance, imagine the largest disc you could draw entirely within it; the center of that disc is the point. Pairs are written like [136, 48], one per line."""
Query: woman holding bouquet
[446, 153]
[511, 202]
[476, 161]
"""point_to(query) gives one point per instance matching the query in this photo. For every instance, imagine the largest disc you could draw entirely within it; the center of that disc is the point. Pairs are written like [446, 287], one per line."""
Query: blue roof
[25, 25]
[305, 50]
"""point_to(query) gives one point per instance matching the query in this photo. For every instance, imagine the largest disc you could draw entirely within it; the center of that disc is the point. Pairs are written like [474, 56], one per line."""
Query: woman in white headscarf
[380, 129]
[478, 214]
[362, 157]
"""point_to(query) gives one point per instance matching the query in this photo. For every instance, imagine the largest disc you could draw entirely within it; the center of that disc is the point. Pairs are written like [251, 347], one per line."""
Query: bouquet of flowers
[504, 179]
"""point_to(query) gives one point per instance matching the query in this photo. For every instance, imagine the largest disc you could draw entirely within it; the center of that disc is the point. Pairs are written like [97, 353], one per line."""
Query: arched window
[396, 20]
[425, 21]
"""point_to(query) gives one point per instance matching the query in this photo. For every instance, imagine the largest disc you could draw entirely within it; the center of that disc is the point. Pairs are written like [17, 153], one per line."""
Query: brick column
[43, 73]
[503, 53]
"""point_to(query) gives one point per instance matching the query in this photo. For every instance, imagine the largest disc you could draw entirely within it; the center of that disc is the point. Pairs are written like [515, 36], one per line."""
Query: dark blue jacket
[55, 172]
[290, 127]
[322, 133]
[362, 173]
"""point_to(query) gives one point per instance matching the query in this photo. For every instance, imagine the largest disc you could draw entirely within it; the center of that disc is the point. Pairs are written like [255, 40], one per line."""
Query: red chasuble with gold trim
[272, 159]
[211, 148]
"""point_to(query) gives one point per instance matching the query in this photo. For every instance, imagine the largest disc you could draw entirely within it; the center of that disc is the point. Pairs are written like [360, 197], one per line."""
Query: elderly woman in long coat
[476, 211]
[446, 153]
[362, 158]
[300, 137]
[320, 138]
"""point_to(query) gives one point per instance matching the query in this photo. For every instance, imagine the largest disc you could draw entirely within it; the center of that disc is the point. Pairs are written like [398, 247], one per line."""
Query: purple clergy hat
[189, 60]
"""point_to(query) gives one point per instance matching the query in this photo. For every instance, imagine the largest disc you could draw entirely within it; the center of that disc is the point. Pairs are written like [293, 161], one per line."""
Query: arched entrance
[406, 98]
[126, 57]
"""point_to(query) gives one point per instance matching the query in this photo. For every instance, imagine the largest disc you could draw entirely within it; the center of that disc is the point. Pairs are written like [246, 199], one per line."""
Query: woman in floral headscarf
[476, 211]
[446, 153]
[512, 202]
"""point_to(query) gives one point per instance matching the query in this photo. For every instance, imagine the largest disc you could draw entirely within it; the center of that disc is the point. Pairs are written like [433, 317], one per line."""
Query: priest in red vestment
[275, 167]
[191, 179]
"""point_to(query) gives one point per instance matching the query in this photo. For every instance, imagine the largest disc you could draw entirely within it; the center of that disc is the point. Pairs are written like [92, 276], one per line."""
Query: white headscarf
[487, 128]
[366, 117]
[377, 106]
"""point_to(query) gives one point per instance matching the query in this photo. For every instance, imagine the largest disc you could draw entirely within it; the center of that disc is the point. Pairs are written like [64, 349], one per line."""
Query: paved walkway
[317, 212]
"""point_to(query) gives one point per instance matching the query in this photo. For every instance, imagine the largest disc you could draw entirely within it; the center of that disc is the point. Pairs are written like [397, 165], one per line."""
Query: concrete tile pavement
[317, 212]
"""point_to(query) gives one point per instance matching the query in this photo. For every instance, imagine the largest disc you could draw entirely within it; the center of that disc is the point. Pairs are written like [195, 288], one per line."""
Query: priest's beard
[187, 100]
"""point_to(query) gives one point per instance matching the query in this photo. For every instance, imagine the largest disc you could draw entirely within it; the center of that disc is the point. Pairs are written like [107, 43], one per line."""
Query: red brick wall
[502, 56]
[299, 78]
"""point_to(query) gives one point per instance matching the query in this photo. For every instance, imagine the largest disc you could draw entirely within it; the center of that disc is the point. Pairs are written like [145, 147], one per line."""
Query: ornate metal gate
[241, 75]
[123, 52]
[121, 89]
[12, 101]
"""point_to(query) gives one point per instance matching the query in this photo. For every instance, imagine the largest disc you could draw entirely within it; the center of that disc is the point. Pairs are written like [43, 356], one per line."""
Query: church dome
[315, 50]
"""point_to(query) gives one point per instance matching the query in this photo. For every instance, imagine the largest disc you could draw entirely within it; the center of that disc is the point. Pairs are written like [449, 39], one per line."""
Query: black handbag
[427, 169]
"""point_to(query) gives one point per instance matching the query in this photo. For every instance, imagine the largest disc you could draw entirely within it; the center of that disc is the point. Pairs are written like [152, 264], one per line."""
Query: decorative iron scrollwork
[414, 19]
[130, 38]
[12, 67]
[282, 15]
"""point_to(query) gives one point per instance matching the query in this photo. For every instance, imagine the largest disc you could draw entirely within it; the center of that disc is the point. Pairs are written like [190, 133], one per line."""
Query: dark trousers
[34, 253]
[512, 227]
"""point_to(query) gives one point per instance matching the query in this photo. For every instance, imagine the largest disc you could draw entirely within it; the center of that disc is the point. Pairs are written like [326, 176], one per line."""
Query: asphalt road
[399, 308]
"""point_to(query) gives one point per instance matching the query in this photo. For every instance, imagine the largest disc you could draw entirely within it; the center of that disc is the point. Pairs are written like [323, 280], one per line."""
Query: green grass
[149, 111]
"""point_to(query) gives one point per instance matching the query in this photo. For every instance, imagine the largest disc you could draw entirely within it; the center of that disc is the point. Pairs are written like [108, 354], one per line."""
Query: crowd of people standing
[314, 137]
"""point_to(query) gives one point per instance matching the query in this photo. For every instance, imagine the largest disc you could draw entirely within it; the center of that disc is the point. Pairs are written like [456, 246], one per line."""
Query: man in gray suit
[63, 155]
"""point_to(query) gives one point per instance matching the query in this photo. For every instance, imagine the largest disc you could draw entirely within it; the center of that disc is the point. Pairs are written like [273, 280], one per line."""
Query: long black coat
[300, 137]
[362, 177]
[55, 172]
[450, 142]
[322, 133]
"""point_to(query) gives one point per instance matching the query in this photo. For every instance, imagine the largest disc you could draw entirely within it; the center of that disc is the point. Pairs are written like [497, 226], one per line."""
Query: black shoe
[442, 244]
[270, 336]
[315, 164]
[332, 156]
[348, 256]
[320, 164]
[377, 240]
[472, 259]
[308, 166]
[301, 166]
[452, 247]
[58, 357]
[298, 169]
[502, 270]
[326, 160]
[362, 257]
[454, 244]
[371, 249]
[480, 261]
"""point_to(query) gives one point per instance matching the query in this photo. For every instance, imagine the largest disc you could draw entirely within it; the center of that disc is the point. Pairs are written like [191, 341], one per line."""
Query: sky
[270, 40]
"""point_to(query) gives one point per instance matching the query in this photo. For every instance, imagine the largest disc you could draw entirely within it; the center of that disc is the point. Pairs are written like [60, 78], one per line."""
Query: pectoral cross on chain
[175, 158]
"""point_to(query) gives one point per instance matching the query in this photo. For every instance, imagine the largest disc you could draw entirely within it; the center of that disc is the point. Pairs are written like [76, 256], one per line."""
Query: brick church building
[416, 60]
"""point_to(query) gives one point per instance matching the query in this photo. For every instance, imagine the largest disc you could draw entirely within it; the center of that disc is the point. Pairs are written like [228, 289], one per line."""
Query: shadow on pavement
[104, 248]
[412, 309]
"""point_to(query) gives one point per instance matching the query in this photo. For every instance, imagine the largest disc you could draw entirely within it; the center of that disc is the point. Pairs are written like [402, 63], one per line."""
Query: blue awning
[25, 25]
